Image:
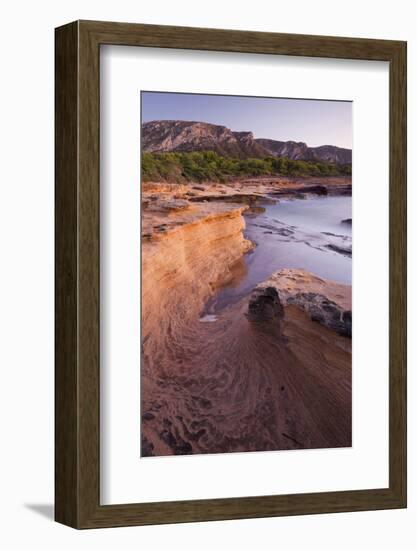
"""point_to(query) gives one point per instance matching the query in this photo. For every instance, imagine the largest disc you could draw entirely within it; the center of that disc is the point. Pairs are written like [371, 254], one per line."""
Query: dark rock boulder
[340, 190]
[316, 189]
[300, 191]
[324, 311]
[345, 251]
[265, 306]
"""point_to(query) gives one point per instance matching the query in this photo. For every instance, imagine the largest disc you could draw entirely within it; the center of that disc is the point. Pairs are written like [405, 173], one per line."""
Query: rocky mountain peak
[185, 136]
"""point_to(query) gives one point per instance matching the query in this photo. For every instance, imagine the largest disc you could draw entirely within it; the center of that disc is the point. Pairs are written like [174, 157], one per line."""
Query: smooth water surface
[299, 233]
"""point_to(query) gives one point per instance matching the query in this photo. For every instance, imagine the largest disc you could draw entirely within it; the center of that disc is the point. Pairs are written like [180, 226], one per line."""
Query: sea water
[299, 233]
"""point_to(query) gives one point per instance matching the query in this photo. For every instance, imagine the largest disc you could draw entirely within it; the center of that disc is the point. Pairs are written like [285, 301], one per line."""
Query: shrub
[209, 166]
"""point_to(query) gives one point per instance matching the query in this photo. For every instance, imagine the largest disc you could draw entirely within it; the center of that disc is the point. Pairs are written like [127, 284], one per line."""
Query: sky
[316, 122]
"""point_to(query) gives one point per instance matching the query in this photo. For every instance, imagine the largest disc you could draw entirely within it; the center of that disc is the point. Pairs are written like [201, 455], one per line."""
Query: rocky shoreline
[273, 370]
[325, 302]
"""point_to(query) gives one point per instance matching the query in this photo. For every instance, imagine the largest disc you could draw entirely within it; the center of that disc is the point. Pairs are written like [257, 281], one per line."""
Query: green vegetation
[209, 166]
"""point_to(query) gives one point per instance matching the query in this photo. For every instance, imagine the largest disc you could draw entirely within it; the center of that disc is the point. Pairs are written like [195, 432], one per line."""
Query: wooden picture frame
[77, 405]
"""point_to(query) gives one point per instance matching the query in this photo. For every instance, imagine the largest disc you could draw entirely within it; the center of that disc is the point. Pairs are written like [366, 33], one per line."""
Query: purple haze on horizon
[315, 122]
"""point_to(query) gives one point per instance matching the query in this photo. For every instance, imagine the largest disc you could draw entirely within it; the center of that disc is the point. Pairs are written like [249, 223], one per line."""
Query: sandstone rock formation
[271, 371]
[290, 282]
[309, 293]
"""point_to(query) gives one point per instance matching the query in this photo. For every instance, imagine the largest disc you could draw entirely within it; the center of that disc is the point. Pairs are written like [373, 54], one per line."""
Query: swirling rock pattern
[262, 376]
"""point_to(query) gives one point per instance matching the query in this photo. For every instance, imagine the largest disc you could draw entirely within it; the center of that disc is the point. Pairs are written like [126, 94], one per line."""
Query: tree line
[202, 166]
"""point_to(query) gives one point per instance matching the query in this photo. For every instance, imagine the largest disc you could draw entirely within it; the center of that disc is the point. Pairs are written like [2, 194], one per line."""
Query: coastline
[209, 386]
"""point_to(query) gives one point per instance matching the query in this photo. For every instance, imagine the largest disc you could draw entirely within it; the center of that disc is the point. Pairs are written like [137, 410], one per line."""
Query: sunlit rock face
[184, 136]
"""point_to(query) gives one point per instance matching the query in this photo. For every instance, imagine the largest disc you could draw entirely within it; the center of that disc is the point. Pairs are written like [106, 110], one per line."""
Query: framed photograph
[230, 274]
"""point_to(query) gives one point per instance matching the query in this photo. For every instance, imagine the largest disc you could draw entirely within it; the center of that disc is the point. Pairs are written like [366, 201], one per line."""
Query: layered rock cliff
[185, 253]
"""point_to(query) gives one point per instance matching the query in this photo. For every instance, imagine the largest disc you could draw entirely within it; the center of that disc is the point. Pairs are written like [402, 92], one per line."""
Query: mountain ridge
[159, 136]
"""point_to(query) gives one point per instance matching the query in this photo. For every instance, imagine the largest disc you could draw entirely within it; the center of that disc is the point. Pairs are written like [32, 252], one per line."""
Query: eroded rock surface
[231, 384]
[307, 292]
[324, 311]
[265, 306]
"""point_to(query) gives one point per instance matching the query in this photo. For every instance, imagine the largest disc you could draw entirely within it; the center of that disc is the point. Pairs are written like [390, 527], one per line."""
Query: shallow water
[293, 234]
[315, 214]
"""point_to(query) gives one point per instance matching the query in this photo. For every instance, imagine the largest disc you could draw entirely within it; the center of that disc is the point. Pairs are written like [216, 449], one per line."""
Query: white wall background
[26, 289]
